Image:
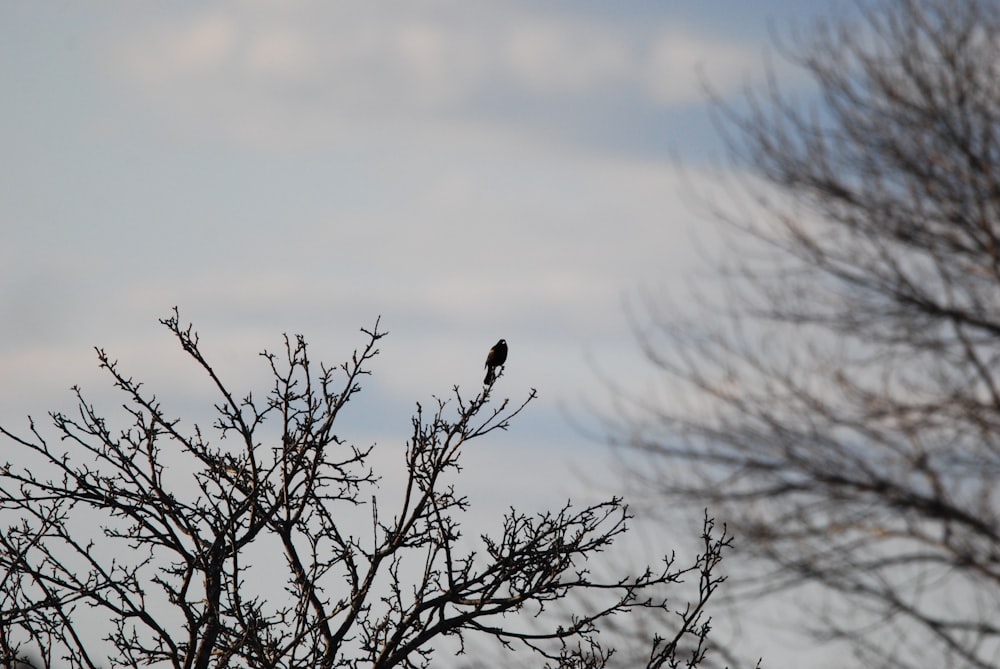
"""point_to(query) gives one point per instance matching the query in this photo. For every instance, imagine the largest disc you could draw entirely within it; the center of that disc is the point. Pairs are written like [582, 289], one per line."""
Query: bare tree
[839, 405]
[276, 548]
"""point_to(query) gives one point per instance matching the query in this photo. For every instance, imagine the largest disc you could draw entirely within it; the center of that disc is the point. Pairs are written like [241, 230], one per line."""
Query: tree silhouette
[277, 548]
[841, 407]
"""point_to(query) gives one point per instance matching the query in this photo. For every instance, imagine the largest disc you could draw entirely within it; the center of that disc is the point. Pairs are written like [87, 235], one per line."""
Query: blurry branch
[841, 410]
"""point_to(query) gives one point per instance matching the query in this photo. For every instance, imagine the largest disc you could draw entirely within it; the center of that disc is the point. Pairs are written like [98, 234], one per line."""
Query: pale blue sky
[466, 170]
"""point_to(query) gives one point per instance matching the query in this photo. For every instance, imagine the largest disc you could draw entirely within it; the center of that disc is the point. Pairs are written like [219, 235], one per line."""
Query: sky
[464, 171]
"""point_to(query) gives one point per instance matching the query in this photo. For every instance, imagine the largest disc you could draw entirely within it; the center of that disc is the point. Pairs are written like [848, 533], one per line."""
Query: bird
[496, 358]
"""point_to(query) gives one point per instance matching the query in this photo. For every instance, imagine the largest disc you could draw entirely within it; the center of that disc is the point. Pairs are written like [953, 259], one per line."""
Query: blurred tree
[838, 403]
[280, 551]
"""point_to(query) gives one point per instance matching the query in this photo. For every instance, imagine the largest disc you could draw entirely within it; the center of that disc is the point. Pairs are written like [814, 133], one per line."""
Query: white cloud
[199, 46]
[282, 52]
[678, 64]
[550, 57]
[329, 69]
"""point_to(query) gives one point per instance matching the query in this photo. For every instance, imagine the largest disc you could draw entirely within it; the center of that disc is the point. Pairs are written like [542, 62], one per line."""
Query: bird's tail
[490, 376]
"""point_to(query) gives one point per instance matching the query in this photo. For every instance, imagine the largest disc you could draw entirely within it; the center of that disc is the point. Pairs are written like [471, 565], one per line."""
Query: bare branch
[166, 536]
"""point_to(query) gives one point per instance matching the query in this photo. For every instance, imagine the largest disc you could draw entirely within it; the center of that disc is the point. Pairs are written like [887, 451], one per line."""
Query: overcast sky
[465, 170]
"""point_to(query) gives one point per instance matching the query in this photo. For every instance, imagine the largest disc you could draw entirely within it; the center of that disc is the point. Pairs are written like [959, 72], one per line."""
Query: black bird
[497, 356]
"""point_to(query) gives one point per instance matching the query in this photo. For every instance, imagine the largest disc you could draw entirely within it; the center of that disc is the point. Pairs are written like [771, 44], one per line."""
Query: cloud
[550, 57]
[330, 70]
[678, 64]
[279, 53]
[202, 45]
